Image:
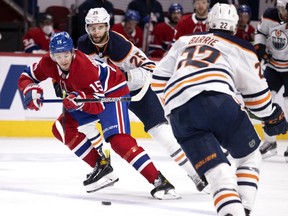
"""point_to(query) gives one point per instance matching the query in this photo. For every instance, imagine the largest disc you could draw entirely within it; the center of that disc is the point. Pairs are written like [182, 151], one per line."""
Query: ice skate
[268, 149]
[101, 177]
[201, 184]
[286, 155]
[164, 190]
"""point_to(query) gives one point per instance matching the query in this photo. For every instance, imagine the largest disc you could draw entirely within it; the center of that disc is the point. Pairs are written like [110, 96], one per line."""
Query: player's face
[98, 32]
[130, 26]
[175, 16]
[63, 59]
[283, 13]
[244, 19]
[201, 8]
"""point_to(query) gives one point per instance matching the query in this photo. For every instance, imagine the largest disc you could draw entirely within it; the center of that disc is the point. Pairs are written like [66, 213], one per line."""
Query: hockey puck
[105, 203]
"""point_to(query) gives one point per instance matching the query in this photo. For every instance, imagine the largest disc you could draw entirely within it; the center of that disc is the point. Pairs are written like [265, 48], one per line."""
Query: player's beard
[101, 40]
[202, 13]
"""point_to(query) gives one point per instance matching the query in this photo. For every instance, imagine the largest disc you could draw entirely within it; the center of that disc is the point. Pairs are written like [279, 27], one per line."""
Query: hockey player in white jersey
[197, 81]
[271, 42]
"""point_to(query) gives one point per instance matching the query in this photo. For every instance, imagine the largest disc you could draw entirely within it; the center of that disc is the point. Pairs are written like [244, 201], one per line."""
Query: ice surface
[41, 177]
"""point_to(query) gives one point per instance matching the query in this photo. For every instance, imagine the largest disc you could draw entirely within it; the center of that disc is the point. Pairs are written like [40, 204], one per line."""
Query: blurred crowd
[150, 27]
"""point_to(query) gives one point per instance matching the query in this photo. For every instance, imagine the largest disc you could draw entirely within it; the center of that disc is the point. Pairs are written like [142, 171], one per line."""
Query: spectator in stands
[244, 29]
[130, 29]
[148, 9]
[36, 40]
[196, 22]
[163, 33]
[86, 6]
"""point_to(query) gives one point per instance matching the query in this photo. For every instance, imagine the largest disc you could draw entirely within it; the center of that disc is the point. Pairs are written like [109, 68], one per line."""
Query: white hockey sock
[163, 135]
[92, 134]
[248, 177]
[223, 187]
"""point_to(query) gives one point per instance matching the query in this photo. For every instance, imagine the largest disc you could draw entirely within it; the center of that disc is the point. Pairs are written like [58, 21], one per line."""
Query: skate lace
[160, 181]
[103, 161]
[157, 182]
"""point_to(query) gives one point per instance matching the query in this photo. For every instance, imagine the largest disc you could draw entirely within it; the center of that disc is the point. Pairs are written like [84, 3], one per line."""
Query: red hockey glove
[275, 124]
[69, 102]
[33, 94]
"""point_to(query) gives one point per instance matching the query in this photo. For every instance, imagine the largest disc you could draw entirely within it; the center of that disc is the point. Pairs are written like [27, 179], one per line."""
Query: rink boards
[16, 121]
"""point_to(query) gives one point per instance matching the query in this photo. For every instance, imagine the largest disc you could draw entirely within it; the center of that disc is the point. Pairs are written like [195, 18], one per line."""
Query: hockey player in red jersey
[244, 29]
[163, 33]
[129, 28]
[198, 80]
[271, 44]
[195, 22]
[82, 77]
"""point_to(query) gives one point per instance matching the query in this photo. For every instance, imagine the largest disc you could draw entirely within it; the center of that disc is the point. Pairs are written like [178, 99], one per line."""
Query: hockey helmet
[282, 3]
[97, 15]
[61, 42]
[244, 9]
[223, 13]
[175, 7]
[132, 15]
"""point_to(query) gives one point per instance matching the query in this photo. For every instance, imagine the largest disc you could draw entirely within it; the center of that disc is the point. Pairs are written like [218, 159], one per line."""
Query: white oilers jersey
[211, 62]
[273, 33]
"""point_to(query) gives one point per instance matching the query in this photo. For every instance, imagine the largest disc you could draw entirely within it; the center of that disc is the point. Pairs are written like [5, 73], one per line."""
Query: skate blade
[167, 195]
[106, 181]
[207, 189]
[269, 154]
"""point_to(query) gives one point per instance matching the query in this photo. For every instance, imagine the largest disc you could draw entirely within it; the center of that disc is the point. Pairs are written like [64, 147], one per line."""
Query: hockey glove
[57, 89]
[275, 124]
[69, 102]
[261, 53]
[33, 94]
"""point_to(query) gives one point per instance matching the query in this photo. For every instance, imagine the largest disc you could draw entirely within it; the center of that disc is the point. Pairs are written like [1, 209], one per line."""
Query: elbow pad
[137, 77]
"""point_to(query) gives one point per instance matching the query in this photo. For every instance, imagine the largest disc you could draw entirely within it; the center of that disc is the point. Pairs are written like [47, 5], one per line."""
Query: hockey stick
[63, 116]
[136, 97]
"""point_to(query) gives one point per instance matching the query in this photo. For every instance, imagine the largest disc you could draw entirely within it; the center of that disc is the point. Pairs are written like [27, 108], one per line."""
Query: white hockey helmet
[282, 6]
[97, 15]
[282, 3]
[223, 17]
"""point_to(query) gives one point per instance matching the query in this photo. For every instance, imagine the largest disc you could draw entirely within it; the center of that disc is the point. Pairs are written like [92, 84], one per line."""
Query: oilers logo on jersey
[278, 39]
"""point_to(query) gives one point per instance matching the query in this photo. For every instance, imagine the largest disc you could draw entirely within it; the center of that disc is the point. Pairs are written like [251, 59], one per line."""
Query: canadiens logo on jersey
[278, 39]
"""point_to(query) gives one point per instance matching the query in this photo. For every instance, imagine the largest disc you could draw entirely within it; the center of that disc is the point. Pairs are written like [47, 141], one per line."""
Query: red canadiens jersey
[189, 24]
[36, 39]
[162, 35]
[136, 37]
[246, 33]
[93, 78]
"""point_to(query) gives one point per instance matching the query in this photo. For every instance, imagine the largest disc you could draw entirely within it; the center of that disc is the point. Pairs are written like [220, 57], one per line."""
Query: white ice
[41, 177]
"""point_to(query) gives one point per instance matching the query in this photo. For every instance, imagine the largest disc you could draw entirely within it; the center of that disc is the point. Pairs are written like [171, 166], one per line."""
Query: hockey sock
[127, 147]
